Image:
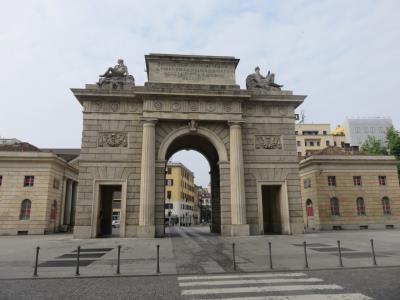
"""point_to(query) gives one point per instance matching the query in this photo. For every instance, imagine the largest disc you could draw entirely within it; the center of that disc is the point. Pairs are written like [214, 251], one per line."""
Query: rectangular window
[56, 184]
[169, 182]
[357, 180]
[168, 194]
[318, 144]
[29, 180]
[298, 153]
[324, 132]
[332, 180]
[311, 143]
[307, 183]
[327, 143]
[382, 180]
[1, 180]
[169, 170]
[298, 143]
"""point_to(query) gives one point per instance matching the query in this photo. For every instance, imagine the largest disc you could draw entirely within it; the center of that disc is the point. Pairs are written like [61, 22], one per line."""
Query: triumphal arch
[189, 102]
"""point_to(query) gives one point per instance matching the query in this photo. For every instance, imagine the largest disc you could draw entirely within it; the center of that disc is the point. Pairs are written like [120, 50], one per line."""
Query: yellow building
[37, 189]
[311, 138]
[341, 190]
[180, 195]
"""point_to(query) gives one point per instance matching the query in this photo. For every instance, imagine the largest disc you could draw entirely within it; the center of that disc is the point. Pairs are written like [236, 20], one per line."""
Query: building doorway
[271, 209]
[109, 205]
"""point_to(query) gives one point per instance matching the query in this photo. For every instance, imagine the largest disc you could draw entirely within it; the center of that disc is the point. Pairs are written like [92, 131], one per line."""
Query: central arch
[212, 148]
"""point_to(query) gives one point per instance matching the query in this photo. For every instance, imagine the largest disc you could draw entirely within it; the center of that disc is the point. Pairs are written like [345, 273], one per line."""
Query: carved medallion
[133, 106]
[113, 139]
[268, 142]
[114, 106]
[157, 105]
[176, 106]
[211, 106]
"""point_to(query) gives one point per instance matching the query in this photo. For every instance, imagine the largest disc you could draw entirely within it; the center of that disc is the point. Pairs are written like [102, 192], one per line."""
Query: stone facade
[51, 195]
[317, 188]
[192, 103]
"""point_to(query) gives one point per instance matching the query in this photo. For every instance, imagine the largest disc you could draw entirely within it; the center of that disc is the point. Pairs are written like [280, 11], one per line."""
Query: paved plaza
[194, 251]
[195, 264]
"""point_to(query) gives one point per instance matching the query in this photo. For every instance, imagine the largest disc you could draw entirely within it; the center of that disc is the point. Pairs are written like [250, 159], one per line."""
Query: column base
[147, 231]
[240, 230]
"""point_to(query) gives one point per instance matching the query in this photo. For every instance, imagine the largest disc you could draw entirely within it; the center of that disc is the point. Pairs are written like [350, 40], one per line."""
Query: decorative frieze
[187, 106]
[113, 139]
[268, 142]
[112, 107]
[266, 109]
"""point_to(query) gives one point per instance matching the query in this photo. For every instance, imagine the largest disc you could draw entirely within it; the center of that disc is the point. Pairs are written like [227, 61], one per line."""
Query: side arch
[182, 131]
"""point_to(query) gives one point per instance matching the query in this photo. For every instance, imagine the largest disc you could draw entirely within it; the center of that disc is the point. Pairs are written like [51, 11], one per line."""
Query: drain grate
[94, 250]
[82, 255]
[331, 249]
[66, 263]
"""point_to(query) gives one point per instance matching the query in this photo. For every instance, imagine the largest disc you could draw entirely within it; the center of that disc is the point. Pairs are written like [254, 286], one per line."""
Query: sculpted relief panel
[268, 142]
[113, 139]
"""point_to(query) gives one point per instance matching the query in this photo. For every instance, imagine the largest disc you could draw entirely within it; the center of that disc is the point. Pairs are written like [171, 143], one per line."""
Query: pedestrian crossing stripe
[260, 289]
[251, 281]
[233, 276]
[218, 285]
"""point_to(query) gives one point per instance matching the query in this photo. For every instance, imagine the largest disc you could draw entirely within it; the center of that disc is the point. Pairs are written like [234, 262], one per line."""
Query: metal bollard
[233, 255]
[158, 259]
[340, 254]
[305, 254]
[36, 262]
[119, 256]
[270, 255]
[77, 260]
[373, 252]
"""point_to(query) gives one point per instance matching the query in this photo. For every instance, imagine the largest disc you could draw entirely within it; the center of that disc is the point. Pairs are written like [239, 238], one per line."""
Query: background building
[357, 130]
[204, 195]
[180, 195]
[311, 138]
[37, 189]
[344, 191]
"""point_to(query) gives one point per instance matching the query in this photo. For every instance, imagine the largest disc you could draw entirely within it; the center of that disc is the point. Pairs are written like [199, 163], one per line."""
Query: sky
[343, 54]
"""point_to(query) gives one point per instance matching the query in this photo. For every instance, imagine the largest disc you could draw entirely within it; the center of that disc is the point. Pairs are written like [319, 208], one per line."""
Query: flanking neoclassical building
[341, 190]
[37, 189]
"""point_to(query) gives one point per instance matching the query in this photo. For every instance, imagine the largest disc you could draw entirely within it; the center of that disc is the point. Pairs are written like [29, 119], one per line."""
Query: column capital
[236, 123]
[148, 121]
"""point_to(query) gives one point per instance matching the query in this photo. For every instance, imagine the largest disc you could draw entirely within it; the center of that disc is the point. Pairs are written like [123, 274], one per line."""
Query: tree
[393, 141]
[374, 146]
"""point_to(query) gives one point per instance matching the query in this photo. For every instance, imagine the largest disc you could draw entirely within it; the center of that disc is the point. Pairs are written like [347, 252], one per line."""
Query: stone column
[68, 203]
[238, 201]
[147, 181]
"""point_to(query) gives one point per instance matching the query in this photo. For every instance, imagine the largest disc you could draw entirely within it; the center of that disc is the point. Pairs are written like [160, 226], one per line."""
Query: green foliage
[373, 146]
[393, 141]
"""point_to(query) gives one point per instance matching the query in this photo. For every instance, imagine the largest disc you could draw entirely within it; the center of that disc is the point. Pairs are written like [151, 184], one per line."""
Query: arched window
[309, 207]
[360, 207]
[335, 207]
[25, 213]
[53, 211]
[386, 206]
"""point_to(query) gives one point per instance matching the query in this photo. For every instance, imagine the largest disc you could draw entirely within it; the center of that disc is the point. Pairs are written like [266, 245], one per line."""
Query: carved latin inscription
[268, 142]
[113, 139]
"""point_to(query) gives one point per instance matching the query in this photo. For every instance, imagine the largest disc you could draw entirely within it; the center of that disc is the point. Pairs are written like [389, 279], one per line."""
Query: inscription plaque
[185, 69]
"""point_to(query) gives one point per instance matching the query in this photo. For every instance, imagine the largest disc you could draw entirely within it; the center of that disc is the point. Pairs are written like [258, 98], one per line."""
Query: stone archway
[212, 148]
[188, 102]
